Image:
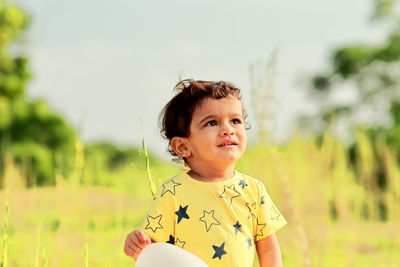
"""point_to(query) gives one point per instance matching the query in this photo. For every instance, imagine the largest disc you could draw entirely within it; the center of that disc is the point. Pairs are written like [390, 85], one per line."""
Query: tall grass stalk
[45, 258]
[366, 169]
[77, 173]
[87, 250]
[148, 169]
[38, 244]
[4, 262]
[262, 96]
[296, 217]
[392, 192]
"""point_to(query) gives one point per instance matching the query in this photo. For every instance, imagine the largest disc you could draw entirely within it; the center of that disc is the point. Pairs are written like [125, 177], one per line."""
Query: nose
[227, 130]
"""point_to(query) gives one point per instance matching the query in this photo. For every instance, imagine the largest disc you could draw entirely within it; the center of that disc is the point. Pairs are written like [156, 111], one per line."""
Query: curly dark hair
[176, 116]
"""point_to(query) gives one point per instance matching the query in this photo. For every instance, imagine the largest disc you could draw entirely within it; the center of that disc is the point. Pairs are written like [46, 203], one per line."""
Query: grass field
[78, 224]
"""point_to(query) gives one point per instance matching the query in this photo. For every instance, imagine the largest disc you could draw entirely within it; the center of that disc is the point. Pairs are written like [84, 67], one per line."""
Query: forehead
[218, 107]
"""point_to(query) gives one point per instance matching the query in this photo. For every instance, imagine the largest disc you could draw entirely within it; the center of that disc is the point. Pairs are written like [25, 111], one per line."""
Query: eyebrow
[214, 116]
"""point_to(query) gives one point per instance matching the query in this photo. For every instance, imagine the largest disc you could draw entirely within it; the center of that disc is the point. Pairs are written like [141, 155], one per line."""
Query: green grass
[90, 233]
[83, 225]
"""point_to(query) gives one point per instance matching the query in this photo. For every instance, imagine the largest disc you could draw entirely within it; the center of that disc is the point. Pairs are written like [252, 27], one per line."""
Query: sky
[110, 66]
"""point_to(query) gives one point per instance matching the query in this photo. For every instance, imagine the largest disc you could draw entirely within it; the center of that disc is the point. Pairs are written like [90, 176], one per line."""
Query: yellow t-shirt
[217, 221]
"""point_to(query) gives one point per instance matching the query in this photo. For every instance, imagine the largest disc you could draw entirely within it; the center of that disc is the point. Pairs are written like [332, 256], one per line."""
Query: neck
[209, 173]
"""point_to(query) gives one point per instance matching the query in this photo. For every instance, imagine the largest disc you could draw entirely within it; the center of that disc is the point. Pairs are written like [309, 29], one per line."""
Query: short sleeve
[159, 221]
[269, 219]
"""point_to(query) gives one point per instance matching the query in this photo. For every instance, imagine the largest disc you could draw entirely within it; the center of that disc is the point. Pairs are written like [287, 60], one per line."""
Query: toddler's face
[217, 132]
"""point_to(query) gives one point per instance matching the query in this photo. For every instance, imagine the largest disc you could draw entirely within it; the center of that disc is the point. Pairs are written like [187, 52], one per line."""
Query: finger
[131, 236]
[136, 251]
[144, 239]
[148, 241]
[136, 245]
[132, 239]
[131, 252]
[141, 236]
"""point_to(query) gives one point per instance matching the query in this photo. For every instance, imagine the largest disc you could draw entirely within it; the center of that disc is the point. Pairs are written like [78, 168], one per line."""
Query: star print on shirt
[229, 194]
[249, 242]
[252, 209]
[209, 219]
[262, 201]
[180, 243]
[181, 213]
[219, 251]
[260, 227]
[153, 223]
[274, 213]
[176, 242]
[169, 187]
[243, 184]
[237, 227]
[171, 240]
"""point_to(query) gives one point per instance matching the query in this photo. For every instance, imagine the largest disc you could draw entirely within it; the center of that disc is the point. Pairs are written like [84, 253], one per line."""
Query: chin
[231, 158]
[227, 156]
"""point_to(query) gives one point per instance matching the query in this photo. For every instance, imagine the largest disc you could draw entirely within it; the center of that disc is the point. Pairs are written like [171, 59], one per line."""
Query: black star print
[249, 242]
[230, 194]
[182, 213]
[171, 240]
[169, 187]
[219, 251]
[237, 227]
[243, 184]
[262, 201]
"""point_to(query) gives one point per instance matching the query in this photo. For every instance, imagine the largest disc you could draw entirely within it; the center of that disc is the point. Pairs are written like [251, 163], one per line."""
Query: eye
[211, 123]
[236, 121]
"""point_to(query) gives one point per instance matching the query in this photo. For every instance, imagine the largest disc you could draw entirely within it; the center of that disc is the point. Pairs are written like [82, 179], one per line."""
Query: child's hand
[135, 242]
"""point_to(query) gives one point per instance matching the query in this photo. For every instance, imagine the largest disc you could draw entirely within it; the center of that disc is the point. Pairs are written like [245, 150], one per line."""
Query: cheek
[202, 141]
[208, 134]
[242, 137]
[241, 133]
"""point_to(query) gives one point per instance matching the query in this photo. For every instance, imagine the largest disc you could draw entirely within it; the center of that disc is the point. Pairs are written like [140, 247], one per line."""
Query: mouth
[228, 144]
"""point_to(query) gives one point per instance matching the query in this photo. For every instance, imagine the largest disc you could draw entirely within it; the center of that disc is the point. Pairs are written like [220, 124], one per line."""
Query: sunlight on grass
[332, 209]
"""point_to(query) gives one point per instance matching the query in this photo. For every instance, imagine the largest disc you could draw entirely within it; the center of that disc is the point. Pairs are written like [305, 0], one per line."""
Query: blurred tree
[372, 74]
[29, 130]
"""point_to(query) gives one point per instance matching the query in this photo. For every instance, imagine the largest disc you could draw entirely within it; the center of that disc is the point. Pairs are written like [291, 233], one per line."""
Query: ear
[180, 147]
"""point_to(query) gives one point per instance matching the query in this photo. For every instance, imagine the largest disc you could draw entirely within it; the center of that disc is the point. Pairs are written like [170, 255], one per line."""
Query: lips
[228, 143]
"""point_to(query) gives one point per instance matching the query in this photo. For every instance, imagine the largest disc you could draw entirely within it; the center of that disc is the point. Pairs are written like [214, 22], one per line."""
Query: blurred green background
[69, 202]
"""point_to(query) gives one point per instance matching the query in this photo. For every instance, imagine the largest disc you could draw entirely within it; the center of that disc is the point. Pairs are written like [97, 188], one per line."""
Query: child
[212, 210]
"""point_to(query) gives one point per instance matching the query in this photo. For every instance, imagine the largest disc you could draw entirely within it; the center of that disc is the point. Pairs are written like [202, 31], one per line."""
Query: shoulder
[251, 180]
[175, 178]
[169, 185]
[254, 184]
